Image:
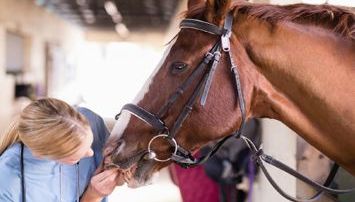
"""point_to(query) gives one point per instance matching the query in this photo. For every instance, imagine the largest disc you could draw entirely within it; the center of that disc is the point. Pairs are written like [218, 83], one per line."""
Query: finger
[107, 173]
[120, 180]
[110, 181]
[107, 185]
[99, 169]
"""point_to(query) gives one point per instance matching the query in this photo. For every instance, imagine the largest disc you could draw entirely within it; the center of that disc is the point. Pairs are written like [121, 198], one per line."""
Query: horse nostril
[108, 150]
[113, 148]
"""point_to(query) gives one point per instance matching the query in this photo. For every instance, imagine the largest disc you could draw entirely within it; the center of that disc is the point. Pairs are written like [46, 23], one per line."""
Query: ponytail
[48, 127]
[10, 137]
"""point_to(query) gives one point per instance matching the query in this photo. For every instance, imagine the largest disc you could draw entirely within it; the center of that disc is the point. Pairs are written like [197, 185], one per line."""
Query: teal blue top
[47, 180]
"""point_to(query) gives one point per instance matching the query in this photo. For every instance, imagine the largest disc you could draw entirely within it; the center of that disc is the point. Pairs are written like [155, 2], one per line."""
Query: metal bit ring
[172, 142]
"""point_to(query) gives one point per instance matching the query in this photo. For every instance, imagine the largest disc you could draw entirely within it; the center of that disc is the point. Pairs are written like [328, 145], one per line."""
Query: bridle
[207, 68]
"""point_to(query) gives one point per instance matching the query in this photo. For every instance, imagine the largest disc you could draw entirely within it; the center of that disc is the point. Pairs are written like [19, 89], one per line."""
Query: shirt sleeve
[10, 189]
[6, 193]
[5, 198]
[99, 131]
[10, 183]
[102, 131]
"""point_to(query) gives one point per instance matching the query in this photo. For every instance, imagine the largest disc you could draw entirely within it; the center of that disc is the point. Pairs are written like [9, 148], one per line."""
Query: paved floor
[163, 190]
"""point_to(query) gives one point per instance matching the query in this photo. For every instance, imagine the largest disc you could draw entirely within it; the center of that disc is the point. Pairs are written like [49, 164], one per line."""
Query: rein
[207, 69]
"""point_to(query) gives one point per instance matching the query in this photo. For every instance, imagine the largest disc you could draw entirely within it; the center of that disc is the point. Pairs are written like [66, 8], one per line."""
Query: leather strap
[188, 106]
[145, 116]
[216, 57]
[182, 88]
[201, 26]
[259, 156]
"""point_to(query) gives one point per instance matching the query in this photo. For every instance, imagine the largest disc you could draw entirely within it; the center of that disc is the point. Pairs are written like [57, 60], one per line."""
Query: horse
[293, 63]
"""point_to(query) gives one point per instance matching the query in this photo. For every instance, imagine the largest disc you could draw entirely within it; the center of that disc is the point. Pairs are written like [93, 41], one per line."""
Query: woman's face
[83, 151]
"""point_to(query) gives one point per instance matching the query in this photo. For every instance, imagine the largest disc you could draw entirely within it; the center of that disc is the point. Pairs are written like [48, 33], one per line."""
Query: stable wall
[40, 28]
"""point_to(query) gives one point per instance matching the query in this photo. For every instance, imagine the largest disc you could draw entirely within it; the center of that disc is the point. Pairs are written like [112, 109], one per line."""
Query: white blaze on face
[121, 125]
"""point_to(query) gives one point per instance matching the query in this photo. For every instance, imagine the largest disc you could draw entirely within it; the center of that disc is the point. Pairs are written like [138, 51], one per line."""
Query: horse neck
[305, 76]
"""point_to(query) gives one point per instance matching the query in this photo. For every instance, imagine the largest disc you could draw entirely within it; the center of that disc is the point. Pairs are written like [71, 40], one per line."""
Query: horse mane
[340, 20]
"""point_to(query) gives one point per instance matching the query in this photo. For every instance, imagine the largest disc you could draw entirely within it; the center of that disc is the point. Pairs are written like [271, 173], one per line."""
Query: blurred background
[98, 53]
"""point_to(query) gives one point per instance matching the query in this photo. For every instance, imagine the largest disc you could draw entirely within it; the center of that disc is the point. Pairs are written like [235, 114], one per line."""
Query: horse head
[189, 100]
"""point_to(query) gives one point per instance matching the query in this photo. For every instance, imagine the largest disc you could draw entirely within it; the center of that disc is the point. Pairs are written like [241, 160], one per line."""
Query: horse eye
[178, 67]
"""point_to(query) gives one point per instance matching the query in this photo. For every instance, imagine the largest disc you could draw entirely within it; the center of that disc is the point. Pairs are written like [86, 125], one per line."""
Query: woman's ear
[216, 10]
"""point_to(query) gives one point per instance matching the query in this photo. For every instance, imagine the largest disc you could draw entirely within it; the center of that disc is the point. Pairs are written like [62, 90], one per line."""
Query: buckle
[225, 41]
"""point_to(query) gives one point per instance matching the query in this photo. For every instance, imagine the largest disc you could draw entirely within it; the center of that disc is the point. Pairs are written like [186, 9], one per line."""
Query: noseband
[207, 69]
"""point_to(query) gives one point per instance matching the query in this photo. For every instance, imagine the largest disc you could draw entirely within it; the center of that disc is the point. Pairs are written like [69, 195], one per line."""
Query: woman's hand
[102, 184]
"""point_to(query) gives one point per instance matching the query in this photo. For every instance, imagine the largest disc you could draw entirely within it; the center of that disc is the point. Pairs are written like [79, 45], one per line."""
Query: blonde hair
[49, 127]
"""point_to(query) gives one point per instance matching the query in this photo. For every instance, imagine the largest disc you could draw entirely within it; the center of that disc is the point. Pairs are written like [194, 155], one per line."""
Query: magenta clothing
[194, 184]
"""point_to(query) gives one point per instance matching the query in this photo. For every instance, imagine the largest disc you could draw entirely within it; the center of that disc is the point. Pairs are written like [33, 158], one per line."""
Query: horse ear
[193, 3]
[216, 10]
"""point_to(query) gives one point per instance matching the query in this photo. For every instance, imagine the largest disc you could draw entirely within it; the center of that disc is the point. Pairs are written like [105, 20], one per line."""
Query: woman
[50, 154]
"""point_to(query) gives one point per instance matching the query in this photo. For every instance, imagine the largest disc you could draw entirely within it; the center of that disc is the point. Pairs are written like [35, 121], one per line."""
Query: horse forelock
[340, 20]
